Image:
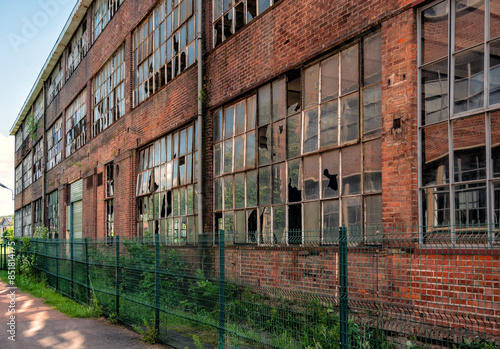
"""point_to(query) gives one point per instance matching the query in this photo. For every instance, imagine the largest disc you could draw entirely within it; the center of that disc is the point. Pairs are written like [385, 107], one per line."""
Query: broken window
[76, 48]
[293, 193]
[109, 180]
[76, 124]
[229, 16]
[53, 213]
[38, 107]
[54, 144]
[163, 46]
[19, 179]
[37, 161]
[54, 82]
[27, 170]
[37, 213]
[166, 187]
[27, 220]
[108, 93]
[110, 220]
[104, 10]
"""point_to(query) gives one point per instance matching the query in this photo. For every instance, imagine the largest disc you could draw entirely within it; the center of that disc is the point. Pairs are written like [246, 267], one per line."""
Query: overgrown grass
[41, 290]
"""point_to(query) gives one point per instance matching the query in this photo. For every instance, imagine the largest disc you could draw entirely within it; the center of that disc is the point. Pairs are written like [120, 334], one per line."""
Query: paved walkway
[37, 325]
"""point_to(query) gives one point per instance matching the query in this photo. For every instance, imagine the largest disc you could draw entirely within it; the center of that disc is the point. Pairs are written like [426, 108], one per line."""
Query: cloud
[6, 174]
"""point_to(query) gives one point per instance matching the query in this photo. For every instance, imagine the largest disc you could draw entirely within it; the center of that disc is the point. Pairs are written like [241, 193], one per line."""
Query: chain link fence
[385, 288]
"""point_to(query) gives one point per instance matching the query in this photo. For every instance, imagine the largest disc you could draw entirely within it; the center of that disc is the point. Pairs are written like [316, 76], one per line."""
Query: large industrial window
[302, 156]
[76, 48]
[164, 46]
[231, 15]
[109, 201]
[19, 138]
[55, 82]
[37, 161]
[27, 220]
[27, 170]
[104, 10]
[459, 75]
[53, 214]
[18, 223]
[167, 188]
[19, 179]
[38, 107]
[54, 144]
[108, 92]
[76, 123]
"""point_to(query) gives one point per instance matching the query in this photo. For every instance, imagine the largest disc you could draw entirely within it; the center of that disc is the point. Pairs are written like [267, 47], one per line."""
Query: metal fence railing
[386, 288]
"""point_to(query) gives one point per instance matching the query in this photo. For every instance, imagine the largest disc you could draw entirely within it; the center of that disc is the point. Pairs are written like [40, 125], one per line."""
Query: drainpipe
[200, 117]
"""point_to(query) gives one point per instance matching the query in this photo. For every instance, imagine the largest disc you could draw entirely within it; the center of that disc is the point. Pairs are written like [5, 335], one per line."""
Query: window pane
[494, 18]
[228, 192]
[279, 183]
[312, 223]
[469, 139]
[239, 190]
[279, 224]
[311, 85]
[372, 153]
[239, 152]
[265, 185]
[264, 5]
[239, 118]
[311, 177]
[373, 208]
[252, 225]
[330, 221]
[251, 188]
[228, 156]
[470, 205]
[228, 122]
[329, 174]
[294, 92]
[469, 23]
[372, 59]
[328, 124]
[469, 77]
[349, 70]
[251, 112]
[352, 219]
[436, 206]
[351, 170]
[349, 118]
[434, 84]
[294, 181]
[435, 32]
[250, 160]
[218, 193]
[265, 145]
[279, 99]
[265, 226]
[435, 154]
[239, 231]
[217, 160]
[293, 130]
[218, 126]
[495, 143]
[372, 111]
[279, 141]
[264, 105]
[182, 201]
[495, 72]
[310, 130]
[496, 201]
[330, 78]
[229, 227]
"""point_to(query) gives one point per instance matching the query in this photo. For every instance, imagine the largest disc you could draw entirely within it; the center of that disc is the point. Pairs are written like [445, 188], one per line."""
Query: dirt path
[37, 325]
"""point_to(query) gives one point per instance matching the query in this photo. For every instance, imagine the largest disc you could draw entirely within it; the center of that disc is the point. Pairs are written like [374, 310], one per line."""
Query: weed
[147, 331]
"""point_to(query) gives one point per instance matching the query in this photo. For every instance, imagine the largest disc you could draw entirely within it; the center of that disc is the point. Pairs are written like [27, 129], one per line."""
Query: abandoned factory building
[277, 121]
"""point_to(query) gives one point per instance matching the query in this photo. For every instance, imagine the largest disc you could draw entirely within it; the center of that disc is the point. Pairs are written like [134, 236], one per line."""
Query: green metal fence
[385, 288]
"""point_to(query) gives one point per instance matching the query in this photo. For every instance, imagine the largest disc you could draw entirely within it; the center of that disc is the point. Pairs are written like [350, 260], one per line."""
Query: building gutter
[200, 118]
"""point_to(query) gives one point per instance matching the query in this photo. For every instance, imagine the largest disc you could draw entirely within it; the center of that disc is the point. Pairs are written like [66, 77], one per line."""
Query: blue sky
[28, 31]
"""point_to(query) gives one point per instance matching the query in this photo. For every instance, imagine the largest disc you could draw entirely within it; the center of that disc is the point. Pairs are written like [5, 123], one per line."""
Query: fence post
[72, 255]
[46, 257]
[57, 264]
[344, 325]
[157, 283]
[222, 310]
[117, 290]
[87, 268]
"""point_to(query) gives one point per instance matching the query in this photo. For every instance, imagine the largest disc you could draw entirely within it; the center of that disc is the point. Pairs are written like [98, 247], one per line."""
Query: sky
[28, 31]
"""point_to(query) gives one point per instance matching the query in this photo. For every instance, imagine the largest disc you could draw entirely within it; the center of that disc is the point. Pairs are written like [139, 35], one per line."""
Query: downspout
[200, 117]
